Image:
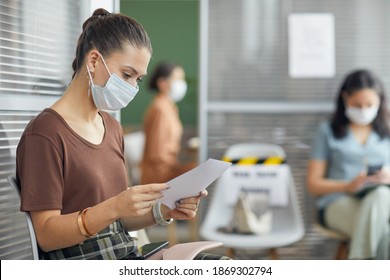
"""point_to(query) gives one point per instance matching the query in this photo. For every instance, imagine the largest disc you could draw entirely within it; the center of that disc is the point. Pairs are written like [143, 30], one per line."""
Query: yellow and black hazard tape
[274, 160]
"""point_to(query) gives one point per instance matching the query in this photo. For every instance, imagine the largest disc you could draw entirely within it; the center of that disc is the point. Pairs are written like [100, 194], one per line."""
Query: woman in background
[162, 126]
[356, 137]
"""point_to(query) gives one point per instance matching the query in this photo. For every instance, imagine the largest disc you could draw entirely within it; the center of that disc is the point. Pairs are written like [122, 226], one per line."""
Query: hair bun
[97, 14]
[100, 13]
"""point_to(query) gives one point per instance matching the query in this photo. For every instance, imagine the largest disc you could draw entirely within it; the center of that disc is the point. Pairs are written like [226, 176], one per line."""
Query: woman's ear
[344, 96]
[92, 59]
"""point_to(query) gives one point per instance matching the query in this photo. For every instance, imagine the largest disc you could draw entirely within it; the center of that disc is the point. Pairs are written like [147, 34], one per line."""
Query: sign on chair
[257, 177]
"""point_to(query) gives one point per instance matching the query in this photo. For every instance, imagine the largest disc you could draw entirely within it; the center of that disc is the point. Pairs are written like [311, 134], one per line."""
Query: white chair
[134, 149]
[287, 223]
[16, 191]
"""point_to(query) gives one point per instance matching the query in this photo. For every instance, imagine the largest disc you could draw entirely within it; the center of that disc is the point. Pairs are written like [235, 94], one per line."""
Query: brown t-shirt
[59, 170]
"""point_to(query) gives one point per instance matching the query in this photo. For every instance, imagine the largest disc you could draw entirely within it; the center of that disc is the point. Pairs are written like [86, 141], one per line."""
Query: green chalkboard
[173, 29]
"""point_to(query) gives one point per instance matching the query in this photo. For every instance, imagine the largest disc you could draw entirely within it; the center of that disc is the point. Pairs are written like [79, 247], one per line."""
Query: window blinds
[37, 46]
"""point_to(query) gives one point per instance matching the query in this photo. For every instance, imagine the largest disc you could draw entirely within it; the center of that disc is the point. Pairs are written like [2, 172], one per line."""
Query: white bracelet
[158, 217]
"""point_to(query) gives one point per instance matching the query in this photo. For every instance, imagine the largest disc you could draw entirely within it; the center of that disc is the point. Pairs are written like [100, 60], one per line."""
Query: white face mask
[362, 116]
[178, 90]
[115, 95]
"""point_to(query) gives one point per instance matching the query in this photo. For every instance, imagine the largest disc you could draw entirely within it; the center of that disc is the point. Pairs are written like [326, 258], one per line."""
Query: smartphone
[149, 249]
[372, 169]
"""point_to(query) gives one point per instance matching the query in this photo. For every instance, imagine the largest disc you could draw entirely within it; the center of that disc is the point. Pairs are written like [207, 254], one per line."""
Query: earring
[87, 75]
[89, 89]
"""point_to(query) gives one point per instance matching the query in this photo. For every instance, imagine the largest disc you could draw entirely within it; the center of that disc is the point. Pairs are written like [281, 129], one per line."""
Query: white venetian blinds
[37, 46]
[37, 43]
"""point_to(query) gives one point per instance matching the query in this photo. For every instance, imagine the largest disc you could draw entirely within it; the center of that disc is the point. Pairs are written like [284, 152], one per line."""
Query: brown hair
[353, 82]
[109, 32]
[162, 70]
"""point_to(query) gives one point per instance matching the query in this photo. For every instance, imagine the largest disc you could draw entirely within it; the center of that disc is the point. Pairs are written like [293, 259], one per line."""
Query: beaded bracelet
[158, 217]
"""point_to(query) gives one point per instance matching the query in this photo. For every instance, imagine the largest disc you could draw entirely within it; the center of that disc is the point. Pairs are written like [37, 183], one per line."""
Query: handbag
[252, 214]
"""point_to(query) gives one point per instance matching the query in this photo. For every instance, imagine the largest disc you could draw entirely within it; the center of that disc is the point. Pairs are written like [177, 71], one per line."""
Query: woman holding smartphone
[357, 136]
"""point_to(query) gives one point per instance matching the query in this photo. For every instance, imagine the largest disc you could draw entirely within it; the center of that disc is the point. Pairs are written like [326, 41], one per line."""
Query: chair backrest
[287, 222]
[254, 150]
[22, 227]
[134, 149]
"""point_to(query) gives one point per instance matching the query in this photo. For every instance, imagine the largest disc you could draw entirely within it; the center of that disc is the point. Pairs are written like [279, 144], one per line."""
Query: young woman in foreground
[70, 162]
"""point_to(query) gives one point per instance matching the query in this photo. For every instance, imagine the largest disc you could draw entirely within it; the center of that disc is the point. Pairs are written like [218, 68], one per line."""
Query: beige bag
[252, 214]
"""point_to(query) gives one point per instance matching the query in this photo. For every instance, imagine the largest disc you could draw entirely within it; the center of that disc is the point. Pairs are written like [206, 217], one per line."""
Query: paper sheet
[194, 181]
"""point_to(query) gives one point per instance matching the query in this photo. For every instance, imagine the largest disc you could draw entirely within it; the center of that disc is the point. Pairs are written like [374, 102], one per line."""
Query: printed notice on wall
[311, 45]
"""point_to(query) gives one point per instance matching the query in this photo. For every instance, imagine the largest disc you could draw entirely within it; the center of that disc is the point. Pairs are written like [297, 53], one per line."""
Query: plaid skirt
[112, 243]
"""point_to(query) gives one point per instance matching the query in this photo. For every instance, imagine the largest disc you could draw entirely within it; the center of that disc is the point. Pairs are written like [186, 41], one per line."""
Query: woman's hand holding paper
[186, 208]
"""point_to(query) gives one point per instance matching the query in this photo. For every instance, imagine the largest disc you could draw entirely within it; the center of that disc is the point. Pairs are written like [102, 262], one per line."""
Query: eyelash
[127, 76]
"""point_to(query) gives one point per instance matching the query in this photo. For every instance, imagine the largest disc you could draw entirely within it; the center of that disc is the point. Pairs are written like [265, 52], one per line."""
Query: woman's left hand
[186, 208]
[380, 177]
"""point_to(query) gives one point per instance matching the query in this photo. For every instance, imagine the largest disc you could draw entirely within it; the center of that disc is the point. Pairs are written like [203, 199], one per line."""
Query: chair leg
[342, 251]
[273, 254]
[172, 233]
[193, 226]
[230, 253]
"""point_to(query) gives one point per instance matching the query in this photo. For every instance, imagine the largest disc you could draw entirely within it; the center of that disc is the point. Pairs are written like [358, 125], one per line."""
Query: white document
[311, 45]
[194, 181]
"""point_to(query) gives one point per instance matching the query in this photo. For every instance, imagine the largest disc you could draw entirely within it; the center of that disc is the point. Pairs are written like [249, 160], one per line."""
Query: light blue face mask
[115, 95]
